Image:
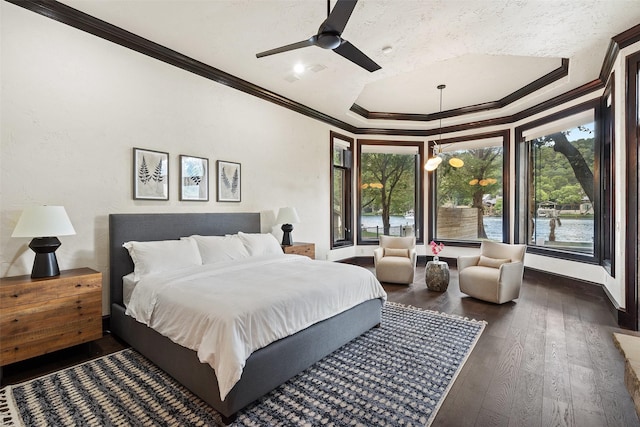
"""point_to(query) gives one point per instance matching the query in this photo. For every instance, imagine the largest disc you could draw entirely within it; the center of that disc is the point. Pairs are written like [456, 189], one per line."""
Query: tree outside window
[561, 189]
[389, 190]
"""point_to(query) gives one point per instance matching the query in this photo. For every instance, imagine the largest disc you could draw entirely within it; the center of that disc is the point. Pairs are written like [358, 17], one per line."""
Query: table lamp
[287, 216]
[43, 223]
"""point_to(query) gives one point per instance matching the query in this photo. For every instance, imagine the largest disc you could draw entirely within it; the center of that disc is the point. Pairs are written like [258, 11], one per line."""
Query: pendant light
[454, 161]
[433, 163]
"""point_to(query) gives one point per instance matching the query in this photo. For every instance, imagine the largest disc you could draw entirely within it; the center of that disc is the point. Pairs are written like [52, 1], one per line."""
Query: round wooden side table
[436, 276]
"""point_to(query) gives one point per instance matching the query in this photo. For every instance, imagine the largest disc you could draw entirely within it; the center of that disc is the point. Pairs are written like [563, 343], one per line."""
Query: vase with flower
[436, 272]
[436, 248]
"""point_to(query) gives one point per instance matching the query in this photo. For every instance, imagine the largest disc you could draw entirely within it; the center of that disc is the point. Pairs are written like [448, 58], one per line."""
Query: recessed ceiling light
[387, 49]
[298, 68]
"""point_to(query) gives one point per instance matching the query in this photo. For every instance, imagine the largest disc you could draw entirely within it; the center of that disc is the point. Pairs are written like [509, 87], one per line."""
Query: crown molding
[84, 22]
[555, 75]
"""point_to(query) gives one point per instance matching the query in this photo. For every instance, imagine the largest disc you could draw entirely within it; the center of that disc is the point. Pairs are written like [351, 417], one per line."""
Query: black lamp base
[286, 236]
[45, 263]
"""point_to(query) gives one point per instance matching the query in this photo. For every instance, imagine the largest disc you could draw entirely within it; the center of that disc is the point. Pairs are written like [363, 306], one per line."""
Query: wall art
[228, 181]
[150, 175]
[194, 178]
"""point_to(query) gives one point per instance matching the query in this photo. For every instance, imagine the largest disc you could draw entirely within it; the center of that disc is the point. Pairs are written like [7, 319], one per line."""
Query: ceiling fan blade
[339, 16]
[304, 43]
[353, 54]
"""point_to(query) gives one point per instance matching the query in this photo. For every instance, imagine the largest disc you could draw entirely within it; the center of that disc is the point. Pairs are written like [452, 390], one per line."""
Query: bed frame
[266, 368]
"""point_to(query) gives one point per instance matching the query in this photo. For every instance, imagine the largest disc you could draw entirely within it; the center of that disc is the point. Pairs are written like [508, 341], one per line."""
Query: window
[389, 189]
[468, 202]
[608, 182]
[341, 184]
[558, 192]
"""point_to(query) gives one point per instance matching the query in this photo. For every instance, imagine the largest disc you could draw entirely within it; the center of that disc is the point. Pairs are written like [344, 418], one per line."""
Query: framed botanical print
[229, 180]
[194, 178]
[150, 175]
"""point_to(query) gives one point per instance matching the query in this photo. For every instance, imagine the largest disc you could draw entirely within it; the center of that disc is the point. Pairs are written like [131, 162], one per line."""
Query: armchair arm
[467, 261]
[377, 255]
[413, 255]
[511, 272]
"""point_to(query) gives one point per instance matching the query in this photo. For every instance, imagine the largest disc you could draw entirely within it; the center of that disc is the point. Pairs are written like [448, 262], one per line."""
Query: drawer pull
[15, 320]
[79, 285]
[15, 296]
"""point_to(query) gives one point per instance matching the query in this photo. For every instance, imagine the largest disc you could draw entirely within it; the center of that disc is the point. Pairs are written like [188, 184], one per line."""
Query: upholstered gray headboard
[151, 227]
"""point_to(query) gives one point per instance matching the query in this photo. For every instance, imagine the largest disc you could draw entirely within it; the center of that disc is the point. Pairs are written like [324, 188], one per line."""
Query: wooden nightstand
[38, 316]
[301, 248]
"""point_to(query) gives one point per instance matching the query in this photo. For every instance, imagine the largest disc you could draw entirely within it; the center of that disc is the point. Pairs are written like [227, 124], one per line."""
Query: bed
[265, 368]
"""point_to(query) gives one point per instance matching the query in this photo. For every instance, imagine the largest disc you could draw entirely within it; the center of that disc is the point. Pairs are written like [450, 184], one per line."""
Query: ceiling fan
[329, 37]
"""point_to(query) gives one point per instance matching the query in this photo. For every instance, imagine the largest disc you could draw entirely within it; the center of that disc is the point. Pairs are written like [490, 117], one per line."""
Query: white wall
[74, 105]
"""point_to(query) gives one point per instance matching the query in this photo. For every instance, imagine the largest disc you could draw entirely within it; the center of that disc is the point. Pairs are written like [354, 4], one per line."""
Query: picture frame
[229, 181]
[150, 174]
[194, 178]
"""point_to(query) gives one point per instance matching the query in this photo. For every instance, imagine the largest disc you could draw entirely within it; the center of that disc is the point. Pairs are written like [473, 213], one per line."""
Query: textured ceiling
[482, 50]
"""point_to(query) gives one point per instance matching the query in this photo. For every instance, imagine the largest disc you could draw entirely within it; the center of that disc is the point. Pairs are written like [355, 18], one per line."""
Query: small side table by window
[436, 275]
[301, 248]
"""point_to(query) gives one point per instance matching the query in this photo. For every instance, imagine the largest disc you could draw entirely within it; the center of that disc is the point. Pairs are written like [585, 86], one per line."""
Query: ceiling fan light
[456, 162]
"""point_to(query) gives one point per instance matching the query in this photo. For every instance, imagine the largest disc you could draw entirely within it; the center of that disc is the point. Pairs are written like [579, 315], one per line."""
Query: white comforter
[228, 310]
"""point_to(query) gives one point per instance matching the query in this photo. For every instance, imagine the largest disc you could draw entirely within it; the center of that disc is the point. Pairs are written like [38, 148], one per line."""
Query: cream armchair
[495, 275]
[395, 259]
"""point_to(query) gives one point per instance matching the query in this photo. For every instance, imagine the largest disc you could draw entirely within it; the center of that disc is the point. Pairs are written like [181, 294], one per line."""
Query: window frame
[419, 191]
[521, 180]
[506, 194]
[608, 168]
[348, 191]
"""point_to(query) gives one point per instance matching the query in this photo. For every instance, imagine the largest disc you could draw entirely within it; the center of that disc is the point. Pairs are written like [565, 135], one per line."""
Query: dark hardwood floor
[546, 359]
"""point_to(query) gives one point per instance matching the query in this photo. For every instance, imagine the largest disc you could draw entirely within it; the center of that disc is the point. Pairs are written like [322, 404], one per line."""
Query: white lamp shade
[287, 216]
[433, 163]
[43, 221]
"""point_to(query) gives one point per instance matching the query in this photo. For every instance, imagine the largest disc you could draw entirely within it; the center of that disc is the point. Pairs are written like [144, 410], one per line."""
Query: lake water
[571, 230]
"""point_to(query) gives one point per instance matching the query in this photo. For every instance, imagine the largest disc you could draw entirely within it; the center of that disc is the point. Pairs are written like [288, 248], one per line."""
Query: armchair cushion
[486, 261]
[396, 252]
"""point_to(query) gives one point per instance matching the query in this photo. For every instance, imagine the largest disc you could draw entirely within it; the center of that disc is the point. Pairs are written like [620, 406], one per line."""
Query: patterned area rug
[397, 374]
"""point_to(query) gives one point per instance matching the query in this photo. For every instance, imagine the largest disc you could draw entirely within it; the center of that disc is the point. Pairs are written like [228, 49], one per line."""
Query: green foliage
[462, 186]
[387, 184]
[554, 179]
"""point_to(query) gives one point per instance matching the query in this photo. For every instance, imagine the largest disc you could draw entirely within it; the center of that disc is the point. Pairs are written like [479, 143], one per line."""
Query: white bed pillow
[219, 248]
[163, 255]
[128, 283]
[260, 244]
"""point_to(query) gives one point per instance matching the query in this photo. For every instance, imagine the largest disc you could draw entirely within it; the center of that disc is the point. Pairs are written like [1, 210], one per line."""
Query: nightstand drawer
[301, 248]
[21, 290]
[21, 320]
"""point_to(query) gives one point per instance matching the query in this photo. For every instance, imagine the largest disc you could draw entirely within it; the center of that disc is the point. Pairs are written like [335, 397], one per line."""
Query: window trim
[608, 132]
[348, 199]
[419, 209]
[506, 187]
[521, 205]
